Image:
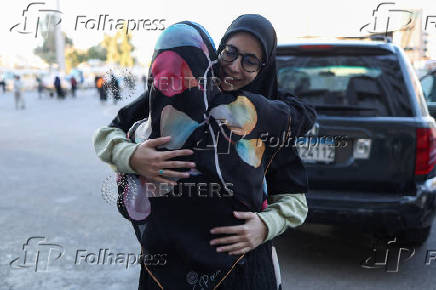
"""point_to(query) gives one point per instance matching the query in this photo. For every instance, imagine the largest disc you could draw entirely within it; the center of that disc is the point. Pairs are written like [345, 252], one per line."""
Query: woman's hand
[147, 161]
[245, 237]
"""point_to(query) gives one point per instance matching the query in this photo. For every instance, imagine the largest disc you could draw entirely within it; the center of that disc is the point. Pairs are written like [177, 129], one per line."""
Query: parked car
[428, 83]
[371, 155]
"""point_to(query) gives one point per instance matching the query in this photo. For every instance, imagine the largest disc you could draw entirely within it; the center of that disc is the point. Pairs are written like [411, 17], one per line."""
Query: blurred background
[84, 46]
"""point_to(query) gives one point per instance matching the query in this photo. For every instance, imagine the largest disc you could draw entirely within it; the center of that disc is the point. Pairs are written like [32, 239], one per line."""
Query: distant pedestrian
[19, 100]
[101, 87]
[58, 88]
[3, 83]
[96, 79]
[40, 87]
[73, 86]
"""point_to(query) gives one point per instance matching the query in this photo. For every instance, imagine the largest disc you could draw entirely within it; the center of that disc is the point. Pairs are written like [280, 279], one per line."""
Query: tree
[97, 52]
[74, 57]
[112, 52]
[126, 48]
[119, 48]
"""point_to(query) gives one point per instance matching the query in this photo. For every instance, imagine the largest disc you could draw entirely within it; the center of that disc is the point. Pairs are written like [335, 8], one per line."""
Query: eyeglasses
[249, 62]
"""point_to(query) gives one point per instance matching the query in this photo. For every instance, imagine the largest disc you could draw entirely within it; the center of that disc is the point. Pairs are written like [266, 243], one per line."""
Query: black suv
[371, 155]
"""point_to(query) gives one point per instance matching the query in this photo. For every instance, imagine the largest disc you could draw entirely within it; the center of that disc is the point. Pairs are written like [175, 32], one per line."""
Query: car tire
[413, 237]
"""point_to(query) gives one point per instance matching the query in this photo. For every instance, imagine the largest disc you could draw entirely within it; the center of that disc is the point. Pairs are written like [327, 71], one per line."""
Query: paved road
[51, 188]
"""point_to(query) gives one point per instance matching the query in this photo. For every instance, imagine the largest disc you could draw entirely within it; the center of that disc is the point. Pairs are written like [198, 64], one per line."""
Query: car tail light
[425, 150]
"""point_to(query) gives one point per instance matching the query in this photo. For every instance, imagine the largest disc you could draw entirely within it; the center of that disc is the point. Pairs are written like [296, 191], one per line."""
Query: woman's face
[232, 74]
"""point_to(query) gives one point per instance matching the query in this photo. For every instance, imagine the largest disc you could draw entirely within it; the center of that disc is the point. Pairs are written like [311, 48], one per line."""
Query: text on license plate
[321, 152]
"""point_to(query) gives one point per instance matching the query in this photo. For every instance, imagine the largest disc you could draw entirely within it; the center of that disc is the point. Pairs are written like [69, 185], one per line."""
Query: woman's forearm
[112, 146]
[110, 142]
[283, 211]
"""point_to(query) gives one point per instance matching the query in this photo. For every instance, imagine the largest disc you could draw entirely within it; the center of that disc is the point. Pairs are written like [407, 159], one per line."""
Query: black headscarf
[265, 82]
[287, 173]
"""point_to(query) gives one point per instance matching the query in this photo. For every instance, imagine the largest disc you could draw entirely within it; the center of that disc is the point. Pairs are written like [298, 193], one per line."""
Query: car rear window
[347, 85]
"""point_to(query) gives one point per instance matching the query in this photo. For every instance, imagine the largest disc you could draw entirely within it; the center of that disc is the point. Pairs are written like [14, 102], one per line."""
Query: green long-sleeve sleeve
[112, 147]
[283, 210]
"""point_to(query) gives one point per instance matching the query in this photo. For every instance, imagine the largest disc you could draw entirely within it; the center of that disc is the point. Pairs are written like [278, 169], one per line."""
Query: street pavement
[55, 222]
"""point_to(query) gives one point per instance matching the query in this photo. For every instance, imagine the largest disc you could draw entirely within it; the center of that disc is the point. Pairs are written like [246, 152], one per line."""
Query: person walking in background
[73, 86]
[40, 86]
[101, 87]
[3, 83]
[96, 78]
[19, 101]
[58, 87]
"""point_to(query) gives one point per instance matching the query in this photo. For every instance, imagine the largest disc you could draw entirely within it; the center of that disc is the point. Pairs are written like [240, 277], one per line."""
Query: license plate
[321, 152]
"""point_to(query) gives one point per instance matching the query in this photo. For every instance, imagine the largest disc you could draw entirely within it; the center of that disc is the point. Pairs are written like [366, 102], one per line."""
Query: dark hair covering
[265, 82]
[287, 173]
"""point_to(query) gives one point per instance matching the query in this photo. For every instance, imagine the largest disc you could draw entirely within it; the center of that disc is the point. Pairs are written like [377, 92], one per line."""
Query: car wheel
[413, 237]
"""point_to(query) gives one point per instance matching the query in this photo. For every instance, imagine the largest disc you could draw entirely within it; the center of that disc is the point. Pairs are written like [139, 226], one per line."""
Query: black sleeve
[129, 114]
[286, 173]
[303, 115]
